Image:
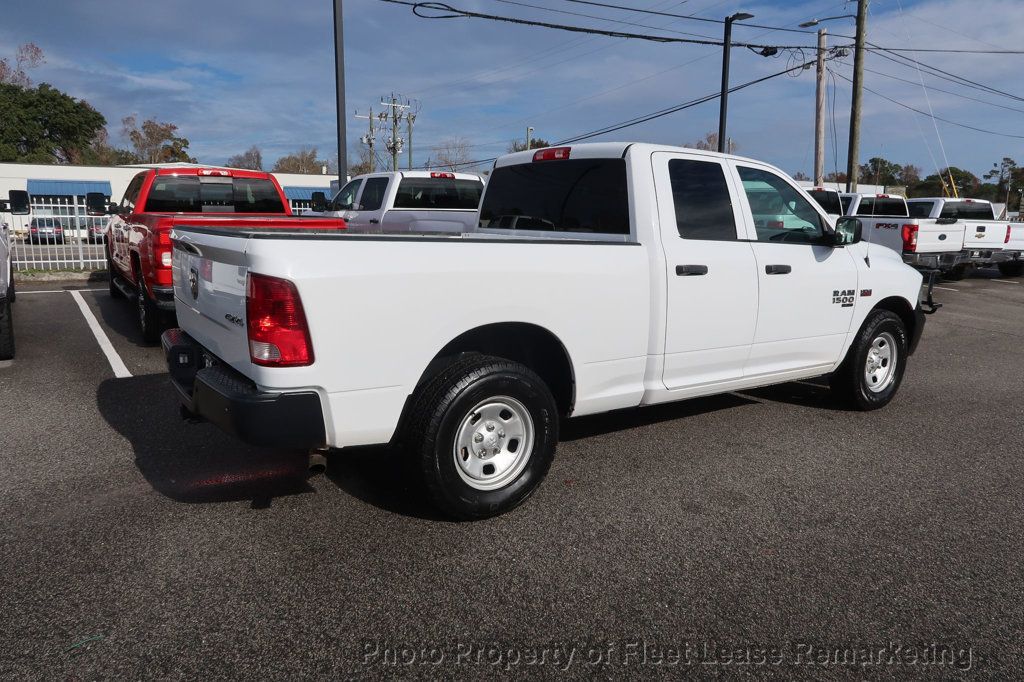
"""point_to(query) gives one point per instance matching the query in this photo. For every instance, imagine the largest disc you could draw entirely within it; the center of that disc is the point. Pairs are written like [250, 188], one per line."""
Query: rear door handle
[778, 269]
[691, 270]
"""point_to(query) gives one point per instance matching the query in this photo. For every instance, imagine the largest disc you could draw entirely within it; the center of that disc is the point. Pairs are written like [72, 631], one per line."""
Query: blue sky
[232, 74]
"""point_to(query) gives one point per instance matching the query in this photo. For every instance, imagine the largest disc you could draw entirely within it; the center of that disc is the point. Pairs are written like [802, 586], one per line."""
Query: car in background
[874, 205]
[46, 231]
[96, 233]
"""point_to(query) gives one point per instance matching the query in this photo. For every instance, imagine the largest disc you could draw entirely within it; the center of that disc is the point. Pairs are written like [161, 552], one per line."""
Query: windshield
[827, 200]
[192, 194]
[575, 195]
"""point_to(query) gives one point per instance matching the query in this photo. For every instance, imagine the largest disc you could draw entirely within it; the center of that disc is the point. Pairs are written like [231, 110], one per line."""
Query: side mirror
[319, 201]
[848, 231]
[96, 204]
[18, 199]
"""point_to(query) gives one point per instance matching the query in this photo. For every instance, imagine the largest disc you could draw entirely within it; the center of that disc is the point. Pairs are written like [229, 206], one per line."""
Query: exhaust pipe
[317, 462]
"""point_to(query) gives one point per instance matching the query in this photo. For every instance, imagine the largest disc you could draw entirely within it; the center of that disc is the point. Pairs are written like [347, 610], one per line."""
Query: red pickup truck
[157, 200]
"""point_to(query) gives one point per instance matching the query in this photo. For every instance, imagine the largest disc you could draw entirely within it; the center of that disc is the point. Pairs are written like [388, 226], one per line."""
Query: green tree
[879, 171]
[45, 125]
[156, 142]
[303, 161]
[1002, 173]
[967, 184]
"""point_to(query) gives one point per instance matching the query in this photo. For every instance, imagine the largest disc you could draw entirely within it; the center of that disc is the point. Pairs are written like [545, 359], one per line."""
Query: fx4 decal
[887, 226]
[843, 297]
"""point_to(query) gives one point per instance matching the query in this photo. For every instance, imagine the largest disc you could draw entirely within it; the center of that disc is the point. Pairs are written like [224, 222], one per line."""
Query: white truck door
[807, 288]
[711, 275]
[370, 205]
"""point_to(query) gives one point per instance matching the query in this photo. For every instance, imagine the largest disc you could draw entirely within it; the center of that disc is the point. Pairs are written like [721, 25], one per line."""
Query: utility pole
[339, 86]
[819, 114]
[853, 155]
[370, 138]
[410, 118]
[395, 143]
[723, 103]
[529, 137]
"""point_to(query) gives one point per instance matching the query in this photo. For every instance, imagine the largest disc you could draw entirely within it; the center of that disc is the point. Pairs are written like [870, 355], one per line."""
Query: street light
[724, 102]
[815, 22]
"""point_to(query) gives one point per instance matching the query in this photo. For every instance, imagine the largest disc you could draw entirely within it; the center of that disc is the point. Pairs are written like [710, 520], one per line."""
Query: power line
[608, 19]
[937, 118]
[945, 75]
[948, 92]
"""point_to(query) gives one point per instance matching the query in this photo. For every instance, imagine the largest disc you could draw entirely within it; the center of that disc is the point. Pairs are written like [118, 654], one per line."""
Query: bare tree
[451, 154]
[800, 175]
[710, 143]
[251, 159]
[303, 161]
[364, 164]
[28, 56]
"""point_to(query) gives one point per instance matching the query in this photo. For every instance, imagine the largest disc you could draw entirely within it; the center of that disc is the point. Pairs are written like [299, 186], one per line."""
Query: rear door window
[373, 194]
[573, 195]
[703, 206]
[438, 193]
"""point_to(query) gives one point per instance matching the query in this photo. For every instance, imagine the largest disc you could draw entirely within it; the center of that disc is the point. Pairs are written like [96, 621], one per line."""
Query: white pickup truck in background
[17, 204]
[986, 240]
[405, 201]
[634, 274]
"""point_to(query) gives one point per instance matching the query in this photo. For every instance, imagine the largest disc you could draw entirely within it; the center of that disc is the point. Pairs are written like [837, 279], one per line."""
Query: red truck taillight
[278, 333]
[1008, 229]
[910, 238]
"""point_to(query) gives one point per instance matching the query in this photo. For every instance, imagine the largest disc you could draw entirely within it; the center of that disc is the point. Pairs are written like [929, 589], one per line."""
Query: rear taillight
[552, 154]
[278, 333]
[1008, 228]
[163, 248]
[910, 238]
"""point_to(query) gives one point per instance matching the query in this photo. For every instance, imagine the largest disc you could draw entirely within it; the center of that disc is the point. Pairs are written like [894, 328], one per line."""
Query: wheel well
[901, 307]
[533, 346]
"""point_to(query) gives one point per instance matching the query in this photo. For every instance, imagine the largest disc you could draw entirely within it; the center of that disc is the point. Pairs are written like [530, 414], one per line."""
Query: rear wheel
[873, 369]
[148, 314]
[115, 291]
[956, 273]
[1012, 268]
[6, 330]
[483, 433]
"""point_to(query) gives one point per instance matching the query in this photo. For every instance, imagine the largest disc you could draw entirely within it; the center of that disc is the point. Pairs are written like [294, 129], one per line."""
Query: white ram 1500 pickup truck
[635, 274]
[405, 201]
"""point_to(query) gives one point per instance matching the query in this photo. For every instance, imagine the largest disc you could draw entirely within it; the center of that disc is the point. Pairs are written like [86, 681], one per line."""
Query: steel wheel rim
[880, 364]
[493, 443]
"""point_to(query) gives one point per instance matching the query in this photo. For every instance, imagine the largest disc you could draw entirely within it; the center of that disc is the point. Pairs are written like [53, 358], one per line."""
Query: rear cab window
[919, 209]
[217, 194]
[967, 210]
[882, 206]
[586, 196]
[829, 201]
[440, 193]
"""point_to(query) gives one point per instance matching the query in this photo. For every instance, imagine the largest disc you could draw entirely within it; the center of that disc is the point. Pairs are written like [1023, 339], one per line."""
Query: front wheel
[484, 432]
[873, 369]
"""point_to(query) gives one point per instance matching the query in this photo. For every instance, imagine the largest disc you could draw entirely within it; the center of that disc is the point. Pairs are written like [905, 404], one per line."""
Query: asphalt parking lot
[764, 532]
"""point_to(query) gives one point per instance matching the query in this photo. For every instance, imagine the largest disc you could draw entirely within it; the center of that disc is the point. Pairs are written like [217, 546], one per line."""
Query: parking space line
[116, 364]
[55, 291]
[1005, 281]
[946, 288]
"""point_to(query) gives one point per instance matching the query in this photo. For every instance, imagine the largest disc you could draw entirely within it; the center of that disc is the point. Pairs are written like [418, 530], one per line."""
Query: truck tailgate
[984, 235]
[1016, 240]
[209, 290]
[934, 237]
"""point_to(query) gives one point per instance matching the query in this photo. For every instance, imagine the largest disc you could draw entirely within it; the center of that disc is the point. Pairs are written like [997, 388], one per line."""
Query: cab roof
[612, 150]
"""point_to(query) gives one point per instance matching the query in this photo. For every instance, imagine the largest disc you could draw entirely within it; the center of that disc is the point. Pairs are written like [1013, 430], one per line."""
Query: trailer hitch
[928, 305]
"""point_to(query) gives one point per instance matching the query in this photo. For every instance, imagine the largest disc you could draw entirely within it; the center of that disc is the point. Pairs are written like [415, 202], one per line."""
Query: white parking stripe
[54, 291]
[116, 364]
[946, 288]
[1005, 281]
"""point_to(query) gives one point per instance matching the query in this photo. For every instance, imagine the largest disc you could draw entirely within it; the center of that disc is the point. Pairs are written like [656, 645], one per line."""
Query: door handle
[374, 221]
[778, 269]
[691, 270]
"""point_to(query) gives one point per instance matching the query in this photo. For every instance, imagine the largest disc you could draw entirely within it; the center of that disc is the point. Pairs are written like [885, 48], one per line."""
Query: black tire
[11, 292]
[955, 274]
[115, 291]
[850, 382]
[1012, 268]
[442, 406]
[6, 330]
[149, 316]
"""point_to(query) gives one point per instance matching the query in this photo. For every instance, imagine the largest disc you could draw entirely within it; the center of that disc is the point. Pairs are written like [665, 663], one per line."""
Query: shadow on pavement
[809, 393]
[119, 314]
[383, 476]
[195, 462]
[600, 424]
